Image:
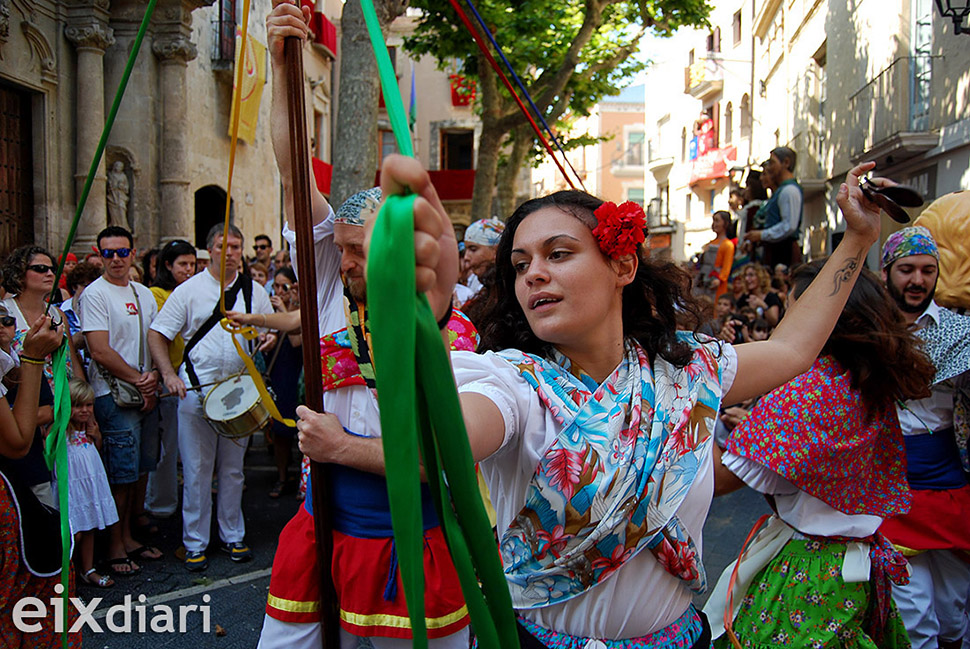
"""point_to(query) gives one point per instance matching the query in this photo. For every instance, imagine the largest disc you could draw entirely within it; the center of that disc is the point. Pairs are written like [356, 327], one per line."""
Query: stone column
[91, 39]
[174, 51]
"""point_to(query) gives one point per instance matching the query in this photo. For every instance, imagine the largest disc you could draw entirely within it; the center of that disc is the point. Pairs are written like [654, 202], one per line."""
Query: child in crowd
[92, 506]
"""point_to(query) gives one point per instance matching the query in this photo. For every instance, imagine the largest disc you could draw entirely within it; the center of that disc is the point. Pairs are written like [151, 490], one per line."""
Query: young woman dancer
[592, 416]
[827, 451]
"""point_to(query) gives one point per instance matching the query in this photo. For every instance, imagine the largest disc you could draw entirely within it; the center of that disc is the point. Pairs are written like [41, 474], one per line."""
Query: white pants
[162, 496]
[291, 635]
[933, 605]
[202, 450]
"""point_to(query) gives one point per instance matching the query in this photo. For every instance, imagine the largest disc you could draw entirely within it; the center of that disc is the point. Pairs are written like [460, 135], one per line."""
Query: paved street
[237, 592]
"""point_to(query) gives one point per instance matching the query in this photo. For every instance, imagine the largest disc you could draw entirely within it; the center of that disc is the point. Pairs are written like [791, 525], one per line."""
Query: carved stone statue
[118, 195]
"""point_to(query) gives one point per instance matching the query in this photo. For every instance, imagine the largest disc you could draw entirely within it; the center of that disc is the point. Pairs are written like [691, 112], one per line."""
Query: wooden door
[16, 170]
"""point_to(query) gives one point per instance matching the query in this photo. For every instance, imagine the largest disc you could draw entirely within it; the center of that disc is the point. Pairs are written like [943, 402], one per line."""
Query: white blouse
[640, 598]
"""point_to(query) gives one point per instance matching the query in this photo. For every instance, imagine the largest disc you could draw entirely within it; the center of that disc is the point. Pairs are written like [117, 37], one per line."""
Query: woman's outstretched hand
[435, 247]
[861, 214]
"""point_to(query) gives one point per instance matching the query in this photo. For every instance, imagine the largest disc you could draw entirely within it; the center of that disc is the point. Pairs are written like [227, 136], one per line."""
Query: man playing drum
[210, 356]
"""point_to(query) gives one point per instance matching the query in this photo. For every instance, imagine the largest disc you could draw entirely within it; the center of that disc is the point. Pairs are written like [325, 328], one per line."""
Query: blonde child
[92, 506]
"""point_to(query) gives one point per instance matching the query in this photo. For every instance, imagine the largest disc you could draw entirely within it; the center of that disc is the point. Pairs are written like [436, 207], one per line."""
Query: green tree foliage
[570, 54]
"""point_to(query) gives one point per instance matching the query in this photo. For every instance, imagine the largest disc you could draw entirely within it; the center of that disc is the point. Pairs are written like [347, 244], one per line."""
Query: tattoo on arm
[845, 274]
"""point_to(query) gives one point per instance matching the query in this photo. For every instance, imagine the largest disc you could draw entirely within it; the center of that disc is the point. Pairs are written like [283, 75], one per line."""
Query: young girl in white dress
[92, 506]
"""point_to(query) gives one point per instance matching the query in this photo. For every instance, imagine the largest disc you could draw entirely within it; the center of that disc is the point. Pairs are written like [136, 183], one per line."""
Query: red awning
[451, 184]
[712, 164]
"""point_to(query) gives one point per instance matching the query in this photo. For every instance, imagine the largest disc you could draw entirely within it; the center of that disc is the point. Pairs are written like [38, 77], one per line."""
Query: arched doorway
[210, 209]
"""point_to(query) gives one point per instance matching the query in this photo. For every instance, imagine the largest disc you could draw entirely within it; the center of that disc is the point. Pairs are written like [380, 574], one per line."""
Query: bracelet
[32, 361]
[264, 320]
[446, 317]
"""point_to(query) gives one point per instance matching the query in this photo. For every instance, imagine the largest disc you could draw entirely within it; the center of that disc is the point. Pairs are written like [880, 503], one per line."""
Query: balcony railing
[890, 114]
[324, 33]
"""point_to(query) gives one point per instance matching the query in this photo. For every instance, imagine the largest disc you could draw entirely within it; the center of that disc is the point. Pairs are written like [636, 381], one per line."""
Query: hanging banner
[253, 80]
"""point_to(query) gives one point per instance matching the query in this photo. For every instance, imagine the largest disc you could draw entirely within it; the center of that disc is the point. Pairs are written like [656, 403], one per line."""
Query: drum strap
[246, 285]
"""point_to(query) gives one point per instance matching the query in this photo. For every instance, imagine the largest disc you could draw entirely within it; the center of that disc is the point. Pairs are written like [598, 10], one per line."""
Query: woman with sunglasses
[28, 278]
[174, 264]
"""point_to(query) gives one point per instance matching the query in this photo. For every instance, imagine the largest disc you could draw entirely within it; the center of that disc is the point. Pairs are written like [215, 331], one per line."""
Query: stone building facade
[882, 80]
[60, 64]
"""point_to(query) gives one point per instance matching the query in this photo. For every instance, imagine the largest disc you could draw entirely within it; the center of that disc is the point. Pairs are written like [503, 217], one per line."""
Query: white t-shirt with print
[107, 307]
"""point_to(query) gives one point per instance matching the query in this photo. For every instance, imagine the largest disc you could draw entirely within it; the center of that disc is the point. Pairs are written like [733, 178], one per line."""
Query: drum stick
[199, 387]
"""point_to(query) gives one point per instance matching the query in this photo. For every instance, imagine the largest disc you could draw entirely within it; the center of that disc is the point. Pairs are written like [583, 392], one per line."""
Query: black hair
[873, 342]
[169, 253]
[146, 266]
[115, 231]
[286, 272]
[263, 237]
[651, 302]
[730, 227]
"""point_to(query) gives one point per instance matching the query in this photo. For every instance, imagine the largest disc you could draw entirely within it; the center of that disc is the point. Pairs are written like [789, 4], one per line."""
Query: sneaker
[238, 551]
[196, 561]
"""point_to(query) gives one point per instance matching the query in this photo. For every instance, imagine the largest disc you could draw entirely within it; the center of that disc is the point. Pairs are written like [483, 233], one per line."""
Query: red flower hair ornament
[619, 228]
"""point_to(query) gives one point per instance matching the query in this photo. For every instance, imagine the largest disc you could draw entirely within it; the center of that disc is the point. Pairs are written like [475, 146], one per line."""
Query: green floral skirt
[800, 600]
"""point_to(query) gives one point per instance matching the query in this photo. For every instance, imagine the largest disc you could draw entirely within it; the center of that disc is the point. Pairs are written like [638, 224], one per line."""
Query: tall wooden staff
[312, 369]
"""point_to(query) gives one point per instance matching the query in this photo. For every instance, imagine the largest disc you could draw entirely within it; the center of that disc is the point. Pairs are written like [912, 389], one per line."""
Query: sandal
[124, 561]
[103, 581]
[144, 553]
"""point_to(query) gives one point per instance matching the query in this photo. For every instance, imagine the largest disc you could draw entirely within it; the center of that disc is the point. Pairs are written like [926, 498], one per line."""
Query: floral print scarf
[612, 482]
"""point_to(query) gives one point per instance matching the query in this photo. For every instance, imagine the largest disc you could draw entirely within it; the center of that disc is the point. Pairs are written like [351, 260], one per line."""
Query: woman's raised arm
[799, 337]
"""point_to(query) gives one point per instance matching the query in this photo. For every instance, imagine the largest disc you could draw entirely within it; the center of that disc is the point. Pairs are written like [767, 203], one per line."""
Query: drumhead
[230, 398]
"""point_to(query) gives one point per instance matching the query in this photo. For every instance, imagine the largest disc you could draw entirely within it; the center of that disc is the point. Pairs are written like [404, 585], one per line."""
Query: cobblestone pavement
[237, 592]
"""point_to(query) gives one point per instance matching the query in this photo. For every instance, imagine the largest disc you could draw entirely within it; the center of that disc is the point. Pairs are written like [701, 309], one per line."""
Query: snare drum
[233, 407]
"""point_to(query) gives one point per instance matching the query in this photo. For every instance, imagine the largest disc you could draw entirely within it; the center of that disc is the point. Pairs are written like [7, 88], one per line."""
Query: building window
[687, 207]
[714, 40]
[457, 149]
[225, 29]
[690, 58]
[634, 148]
[635, 194]
[683, 145]
[388, 143]
[745, 116]
[736, 27]
[728, 123]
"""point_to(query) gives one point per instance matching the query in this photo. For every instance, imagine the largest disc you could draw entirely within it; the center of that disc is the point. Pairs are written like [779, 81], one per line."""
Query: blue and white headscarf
[485, 232]
[353, 211]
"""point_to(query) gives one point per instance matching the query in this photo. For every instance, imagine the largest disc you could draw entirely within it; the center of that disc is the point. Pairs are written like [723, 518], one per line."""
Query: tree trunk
[355, 150]
[486, 170]
[508, 175]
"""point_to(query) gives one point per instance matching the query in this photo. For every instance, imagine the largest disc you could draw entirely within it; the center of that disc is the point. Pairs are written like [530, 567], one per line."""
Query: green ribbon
[55, 454]
[420, 413]
[55, 447]
[421, 418]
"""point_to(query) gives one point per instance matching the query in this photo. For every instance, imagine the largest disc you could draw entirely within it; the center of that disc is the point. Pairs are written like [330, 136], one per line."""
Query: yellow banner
[253, 80]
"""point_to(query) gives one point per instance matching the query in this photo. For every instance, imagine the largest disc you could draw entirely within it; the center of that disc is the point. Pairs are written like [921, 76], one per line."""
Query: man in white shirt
[115, 315]
[936, 532]
[193, 311]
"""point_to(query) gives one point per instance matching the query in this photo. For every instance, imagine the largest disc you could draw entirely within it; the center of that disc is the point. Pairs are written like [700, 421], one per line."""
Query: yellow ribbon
[249, 333]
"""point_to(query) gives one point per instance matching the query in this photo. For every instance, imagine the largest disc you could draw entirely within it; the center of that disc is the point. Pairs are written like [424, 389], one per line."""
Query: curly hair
[764, 278]
[651, 302]
[15, 267]
[873, 342]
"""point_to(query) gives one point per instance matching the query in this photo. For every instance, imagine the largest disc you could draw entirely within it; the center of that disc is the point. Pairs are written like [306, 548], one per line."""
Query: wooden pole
[309, 320]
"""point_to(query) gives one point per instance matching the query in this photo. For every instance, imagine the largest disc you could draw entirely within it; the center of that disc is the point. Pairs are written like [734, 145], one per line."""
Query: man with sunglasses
[263, 247]
[115, 316]
[210, 356]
